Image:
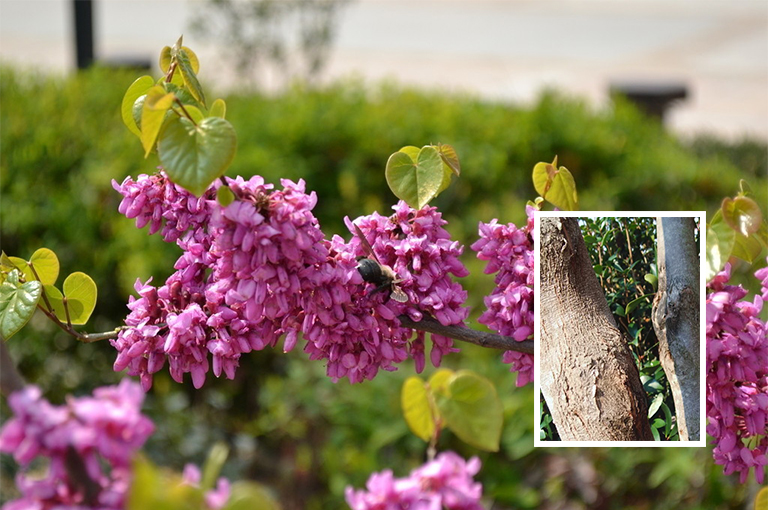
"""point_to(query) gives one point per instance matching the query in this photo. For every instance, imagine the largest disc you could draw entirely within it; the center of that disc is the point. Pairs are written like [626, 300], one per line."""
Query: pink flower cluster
[737, 376]
[92, 432]
[509, 308]
[238, 284]
[353, 324]
[260, 268]
[444, 483]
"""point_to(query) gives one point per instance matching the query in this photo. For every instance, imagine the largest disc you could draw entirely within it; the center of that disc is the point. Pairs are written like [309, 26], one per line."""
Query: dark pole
[83, 32]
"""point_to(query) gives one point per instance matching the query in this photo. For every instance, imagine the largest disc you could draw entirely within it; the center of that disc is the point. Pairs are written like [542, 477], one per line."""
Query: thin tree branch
[489, 340]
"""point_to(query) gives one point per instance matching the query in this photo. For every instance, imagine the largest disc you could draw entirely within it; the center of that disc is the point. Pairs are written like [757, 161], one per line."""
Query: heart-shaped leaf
[416, 409]
[450, 165]
[415, 181]
[156, 104]
[556, 185]
[195, 155]
[17, 303]
[46, 265]
[742, 214]
[720, 243]
[137, 89]
[80, 291]
[472, 410]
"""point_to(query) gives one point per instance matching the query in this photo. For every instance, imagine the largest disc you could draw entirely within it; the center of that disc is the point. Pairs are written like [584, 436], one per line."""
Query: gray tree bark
[588, 377]
[676, 319]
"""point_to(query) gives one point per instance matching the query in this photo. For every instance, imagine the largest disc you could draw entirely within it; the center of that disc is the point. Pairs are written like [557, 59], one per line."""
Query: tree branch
[489, 340]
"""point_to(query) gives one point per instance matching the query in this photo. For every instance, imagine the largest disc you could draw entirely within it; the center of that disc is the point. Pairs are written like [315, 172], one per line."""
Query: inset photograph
[619, 341]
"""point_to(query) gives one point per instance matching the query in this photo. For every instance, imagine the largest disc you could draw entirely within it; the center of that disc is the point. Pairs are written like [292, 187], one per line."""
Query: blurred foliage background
[62, 142]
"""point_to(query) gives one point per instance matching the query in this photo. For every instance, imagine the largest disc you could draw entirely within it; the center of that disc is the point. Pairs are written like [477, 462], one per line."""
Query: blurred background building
[716, 50]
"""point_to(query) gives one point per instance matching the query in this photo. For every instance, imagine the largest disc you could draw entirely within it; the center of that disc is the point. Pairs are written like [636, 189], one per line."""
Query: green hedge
[62, 142]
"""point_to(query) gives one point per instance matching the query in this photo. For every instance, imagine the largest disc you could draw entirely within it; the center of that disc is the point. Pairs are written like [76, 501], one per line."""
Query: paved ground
[499, 49]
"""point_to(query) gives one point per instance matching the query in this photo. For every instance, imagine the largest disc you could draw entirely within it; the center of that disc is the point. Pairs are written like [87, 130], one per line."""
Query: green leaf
[620, 311]
[742, 214]
[17, 303]
[189, 76]
[450, 165]
[720, 243]
[56, 300]
[224, 196]
[250, 496]
[218, 109]
[46, 265]
[652, 279]
[80, 291]
[23, 266]
[160, 490]
[761, 500]
[658, 399]
[556, 185]
[635, 302]
[747, 248]
[194, 156]
[156, 104]
[416, 409]
[213, 464]
[415, 181]
[195, 113]
[137, 89]
[439, 381]
[472, 410]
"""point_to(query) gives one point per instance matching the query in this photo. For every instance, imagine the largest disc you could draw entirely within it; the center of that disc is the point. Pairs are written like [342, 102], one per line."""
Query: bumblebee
[378, 274]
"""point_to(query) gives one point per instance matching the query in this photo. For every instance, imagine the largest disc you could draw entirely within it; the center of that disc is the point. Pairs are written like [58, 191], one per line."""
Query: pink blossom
[508, 251]
[444, 483]
[737, 378]
[103, 431]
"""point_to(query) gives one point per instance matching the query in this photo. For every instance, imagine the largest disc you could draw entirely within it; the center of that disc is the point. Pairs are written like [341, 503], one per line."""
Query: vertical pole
[83, 32]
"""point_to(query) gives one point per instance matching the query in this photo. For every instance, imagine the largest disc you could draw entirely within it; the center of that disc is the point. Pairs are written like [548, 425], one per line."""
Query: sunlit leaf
[190, 78]
[761, 500]
[17, 303]
[472, 410]
[137, 89]
[556, 185]
[415, 181]
[416, 409]
[742, 214]
[80, 291]
[194, 156]
[25, 272]
[720, 243]
[55, 298]
[46, 265]
[218, 109]
[156, 104]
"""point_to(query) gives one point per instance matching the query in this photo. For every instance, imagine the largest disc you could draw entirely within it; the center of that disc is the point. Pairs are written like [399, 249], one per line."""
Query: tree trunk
[588, 377]
[676, 319]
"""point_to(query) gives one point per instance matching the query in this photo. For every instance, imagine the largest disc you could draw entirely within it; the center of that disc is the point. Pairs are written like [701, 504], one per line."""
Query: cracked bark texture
[588, 377]
[675, 319]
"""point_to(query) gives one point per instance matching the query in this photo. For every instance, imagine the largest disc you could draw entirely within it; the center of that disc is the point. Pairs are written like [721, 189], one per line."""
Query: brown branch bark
[489, 340]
